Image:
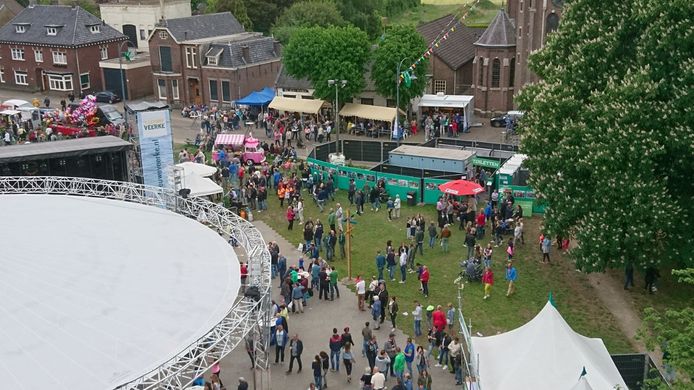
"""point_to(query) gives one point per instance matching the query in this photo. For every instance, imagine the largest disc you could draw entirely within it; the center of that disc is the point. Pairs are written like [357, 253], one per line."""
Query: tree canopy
[321, 13]
[236, 7]
[364, 14]
[608, 131]
[264, 13]
[400, 42]
[322, 54]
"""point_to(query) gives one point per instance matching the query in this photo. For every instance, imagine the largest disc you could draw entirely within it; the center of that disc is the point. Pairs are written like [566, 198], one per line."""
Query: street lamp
[122, 78]
[340, 84]
[397, 95]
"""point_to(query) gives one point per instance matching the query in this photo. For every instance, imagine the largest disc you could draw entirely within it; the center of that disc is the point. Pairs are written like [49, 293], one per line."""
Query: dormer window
[95, 29]
[20, 28]
[212, 56]
[51, 31]
[163, 35]
[211, 60]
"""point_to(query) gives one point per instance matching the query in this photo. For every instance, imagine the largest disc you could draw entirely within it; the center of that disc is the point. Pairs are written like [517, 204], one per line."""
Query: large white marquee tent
[545, 353]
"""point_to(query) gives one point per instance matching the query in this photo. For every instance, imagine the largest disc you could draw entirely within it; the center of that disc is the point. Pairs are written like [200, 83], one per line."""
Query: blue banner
[156, 146]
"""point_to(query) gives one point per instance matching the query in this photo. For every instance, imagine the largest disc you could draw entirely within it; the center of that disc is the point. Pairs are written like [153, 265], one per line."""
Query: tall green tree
[264, 13]
[236, 7]
[333, 53]
[399, 43]
[608, 131]
[365, 14]
[673, 331]
[320, 13]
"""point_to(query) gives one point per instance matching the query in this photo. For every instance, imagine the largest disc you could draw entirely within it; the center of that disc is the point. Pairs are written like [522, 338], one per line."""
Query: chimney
[246, 53]
[277, 48]
[185, 35]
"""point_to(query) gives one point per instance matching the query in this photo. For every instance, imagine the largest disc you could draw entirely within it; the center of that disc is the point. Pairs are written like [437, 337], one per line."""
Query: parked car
[500, 121]
[107, 97]
[109, 114]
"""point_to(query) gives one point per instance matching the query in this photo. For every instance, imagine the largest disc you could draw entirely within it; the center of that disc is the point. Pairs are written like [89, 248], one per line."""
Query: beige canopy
[306, 106]
[378, 113]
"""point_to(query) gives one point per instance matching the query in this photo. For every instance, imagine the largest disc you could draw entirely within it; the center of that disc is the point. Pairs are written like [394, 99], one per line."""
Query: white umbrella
[196, 168]
[16, 103]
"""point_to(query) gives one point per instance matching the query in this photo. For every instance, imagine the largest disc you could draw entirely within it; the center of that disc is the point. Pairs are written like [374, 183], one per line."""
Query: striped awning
[229, 139]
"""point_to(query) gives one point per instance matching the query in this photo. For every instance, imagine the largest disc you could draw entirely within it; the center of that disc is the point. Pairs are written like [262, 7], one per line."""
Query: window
[2, 75]
[163, 35]
[211, 60]
[552, 23]
[480, 63]
[95, 29]
[19, 28]
[17, 54]
[84, 81]
[20, 78]
[496, 72]
[226, 91]
[367, 101]
[104, 52]
[512, 72]
[51, 31]
[520, 32]
[174, 89]
[214, 94]
[390, 102]
[38, 55]
[191, 54]
[165, 59]
[60, 82]
[439, 86]
[161, 86]
[143, 34]
[60, 58]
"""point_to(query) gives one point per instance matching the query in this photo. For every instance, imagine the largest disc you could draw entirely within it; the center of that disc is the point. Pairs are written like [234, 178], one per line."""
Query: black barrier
[477, 144]
[635, 368]
[322, 151]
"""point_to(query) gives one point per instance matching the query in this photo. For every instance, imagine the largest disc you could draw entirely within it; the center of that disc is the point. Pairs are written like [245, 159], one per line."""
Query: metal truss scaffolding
[247, 318]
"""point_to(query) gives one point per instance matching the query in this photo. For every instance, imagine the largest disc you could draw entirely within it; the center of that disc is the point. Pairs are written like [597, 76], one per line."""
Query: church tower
[494, 66]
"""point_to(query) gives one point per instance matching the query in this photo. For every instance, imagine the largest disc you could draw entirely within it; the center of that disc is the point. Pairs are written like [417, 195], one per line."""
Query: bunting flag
[407, 79]
[551, 299]
[450, 27]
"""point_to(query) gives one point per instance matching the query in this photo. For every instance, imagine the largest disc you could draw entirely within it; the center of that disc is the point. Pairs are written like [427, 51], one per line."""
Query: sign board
[485, 162]
[156, 146]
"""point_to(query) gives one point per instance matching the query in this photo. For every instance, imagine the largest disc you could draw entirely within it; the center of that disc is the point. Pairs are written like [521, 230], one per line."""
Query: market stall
[201, 170]
[386, 115]
[302, 106]
[462, 104]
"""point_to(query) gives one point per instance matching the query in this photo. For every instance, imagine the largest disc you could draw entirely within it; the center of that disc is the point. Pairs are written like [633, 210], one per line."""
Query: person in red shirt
[290, 217]
[488, 281]
[244, 276]
[439, 319]
[424, 278]
[481, 220]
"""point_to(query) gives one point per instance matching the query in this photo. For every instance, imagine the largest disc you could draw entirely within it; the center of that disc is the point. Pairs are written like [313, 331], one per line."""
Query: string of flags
[440, 38]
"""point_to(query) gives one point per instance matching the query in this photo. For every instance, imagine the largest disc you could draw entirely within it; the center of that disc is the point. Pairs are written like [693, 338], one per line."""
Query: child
[488, 255]
[509, 249]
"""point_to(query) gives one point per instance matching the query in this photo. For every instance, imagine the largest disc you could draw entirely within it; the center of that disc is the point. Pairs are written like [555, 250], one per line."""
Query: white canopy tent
[202, 170]
[463, 102]
[304, 106]
[545, 353]
[200, 186]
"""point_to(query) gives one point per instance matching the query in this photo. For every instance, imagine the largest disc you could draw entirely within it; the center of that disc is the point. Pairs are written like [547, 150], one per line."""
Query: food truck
[247, 147]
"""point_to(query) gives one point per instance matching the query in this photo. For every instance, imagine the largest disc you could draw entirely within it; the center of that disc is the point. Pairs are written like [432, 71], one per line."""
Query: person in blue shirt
[281, 267]
[511, 276]
[450, 317]
[376, 311]
[380, 264]
[409, 354]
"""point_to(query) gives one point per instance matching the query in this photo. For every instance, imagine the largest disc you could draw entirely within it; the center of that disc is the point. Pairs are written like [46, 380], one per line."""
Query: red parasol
[461, 188]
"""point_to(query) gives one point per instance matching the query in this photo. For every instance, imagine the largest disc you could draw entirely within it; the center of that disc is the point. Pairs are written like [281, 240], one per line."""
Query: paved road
[314, 327]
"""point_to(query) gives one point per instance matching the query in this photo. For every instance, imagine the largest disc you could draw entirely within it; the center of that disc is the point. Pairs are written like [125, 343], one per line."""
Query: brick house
[210, 59]
[55, 48]
[450, 65]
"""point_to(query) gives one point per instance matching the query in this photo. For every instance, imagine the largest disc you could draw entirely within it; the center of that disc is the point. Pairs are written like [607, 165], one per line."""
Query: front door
[194, 90]
[130, 31]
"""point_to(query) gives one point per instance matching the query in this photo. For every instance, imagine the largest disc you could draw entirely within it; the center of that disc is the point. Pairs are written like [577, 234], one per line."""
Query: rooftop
[202, 26]
[459, 48]
[73, 27]
[68, 147]
[500, 33]
[230, 54]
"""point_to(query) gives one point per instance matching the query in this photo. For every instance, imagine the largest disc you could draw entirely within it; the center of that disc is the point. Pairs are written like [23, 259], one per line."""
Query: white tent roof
[196, 168]
[583, 384]
[445, 100]
[15, 103]
[545, 353]
[200, 186]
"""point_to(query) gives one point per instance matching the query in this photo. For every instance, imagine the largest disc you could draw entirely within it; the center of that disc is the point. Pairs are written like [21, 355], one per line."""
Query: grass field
[430, 10]
[574, 296]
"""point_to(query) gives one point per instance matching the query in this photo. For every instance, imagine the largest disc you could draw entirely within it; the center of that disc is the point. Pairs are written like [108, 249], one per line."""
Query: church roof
[500, 33]
[458, 49]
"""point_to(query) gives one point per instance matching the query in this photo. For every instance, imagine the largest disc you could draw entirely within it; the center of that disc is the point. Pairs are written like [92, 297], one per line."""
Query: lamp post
[341, 84]
[127, 43]
[397, 94]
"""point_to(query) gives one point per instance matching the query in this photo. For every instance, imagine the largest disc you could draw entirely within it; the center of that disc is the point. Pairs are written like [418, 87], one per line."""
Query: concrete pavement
[314, 328]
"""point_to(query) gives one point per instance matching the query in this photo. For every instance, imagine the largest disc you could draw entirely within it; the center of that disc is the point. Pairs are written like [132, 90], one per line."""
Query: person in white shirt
[403, 265]
[300, 210]
[378, 380]
[339, 213]
[396, 206]
[361, 292]
[518, 232]
[417, 316]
